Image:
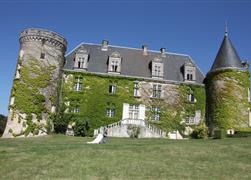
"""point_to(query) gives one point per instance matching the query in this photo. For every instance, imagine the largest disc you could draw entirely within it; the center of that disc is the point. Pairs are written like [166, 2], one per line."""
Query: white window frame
[191, 98]
[114, 65]
[133, 111]
[190, 120]
[112, 88]
[157, 90]
[136, 89]
[156, 113]
[110, 112]
[78, 85]
[76, 110]
[157, 70]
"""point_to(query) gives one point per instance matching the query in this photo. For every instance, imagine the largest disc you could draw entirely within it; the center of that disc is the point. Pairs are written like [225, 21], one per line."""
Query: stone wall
[94, 99]
[35, 88]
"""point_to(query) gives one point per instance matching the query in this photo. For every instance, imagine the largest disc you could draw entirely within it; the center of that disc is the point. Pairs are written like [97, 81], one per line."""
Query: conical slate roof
[227, 56]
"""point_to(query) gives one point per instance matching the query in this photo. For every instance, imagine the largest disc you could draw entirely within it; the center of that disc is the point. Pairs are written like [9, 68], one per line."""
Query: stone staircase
[121, 129]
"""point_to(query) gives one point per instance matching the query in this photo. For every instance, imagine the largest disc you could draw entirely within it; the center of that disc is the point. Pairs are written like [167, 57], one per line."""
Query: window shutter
[142, 111]
[125, 111]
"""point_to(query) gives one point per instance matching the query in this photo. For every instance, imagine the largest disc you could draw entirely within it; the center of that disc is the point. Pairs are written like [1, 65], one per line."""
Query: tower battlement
[37, 34]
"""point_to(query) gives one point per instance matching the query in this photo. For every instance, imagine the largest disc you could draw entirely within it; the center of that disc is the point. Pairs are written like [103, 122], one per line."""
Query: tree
[3, 121]
[81, 127]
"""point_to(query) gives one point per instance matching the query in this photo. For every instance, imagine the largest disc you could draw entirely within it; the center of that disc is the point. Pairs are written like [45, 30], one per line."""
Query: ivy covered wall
[94, 99]
[227, 99]
[33, 94]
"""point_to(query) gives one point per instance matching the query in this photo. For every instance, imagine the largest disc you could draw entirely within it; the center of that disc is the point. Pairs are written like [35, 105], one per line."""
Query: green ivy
[94, 99]
[34, 76]
[227, 93]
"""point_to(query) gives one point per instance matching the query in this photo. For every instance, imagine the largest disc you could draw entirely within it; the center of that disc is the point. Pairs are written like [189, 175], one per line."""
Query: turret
[36, 83]
[227, 90]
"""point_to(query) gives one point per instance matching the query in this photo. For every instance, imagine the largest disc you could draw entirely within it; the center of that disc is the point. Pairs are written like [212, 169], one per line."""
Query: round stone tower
[227, 90]
[36, 83]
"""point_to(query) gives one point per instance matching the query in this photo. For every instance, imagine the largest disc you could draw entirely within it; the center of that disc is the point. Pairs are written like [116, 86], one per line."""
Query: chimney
[144, 48]
[104, 45]
[163, 51]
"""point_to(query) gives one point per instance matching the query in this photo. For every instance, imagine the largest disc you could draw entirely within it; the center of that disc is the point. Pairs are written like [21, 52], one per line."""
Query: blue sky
[190, 27]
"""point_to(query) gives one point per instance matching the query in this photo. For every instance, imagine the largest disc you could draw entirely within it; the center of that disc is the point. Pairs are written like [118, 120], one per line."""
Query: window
[75, 110]
[42, 56]
[78, 84]
[156, 113]
[81, 58]
[110, 112]
[190, 120]
[133, 111]
[157, 71]
[81, 63]
[189, 71]
[189, 77]
[112, 88]
[156, 90]
[114, 65]
[157, 68]
[136, 89]
[191, 98]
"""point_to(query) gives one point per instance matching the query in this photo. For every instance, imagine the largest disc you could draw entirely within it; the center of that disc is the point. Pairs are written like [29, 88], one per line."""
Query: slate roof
[227, 56]
[134, 62]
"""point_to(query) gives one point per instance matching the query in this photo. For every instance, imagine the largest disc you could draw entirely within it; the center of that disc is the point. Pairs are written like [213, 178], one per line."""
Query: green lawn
[61, 157]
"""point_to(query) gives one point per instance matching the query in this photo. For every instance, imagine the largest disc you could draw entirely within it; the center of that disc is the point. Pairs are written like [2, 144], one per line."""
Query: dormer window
[189, 72]
[114, 63]
[81, 59]
[157, 68]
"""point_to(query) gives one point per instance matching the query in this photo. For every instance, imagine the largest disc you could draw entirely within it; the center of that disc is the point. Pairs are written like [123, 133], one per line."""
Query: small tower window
[42, 56]
[191, 97]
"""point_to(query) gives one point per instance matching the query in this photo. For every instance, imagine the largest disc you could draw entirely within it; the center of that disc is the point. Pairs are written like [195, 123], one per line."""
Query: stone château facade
[121, 89]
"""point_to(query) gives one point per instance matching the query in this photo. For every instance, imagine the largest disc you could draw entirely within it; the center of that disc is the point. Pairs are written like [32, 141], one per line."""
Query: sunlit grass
[62, 157]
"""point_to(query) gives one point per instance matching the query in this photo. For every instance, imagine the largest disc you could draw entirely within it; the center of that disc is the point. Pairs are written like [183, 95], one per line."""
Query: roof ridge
[124, 47]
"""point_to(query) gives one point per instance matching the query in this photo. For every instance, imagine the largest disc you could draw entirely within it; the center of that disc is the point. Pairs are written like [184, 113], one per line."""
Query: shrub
[61, 120]
[133, 131]
[240, 134]
[219, 133]
[81, 127]
[200, 131]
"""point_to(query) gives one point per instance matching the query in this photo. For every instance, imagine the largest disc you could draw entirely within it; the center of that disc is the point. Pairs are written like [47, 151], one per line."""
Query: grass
[61, 157]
